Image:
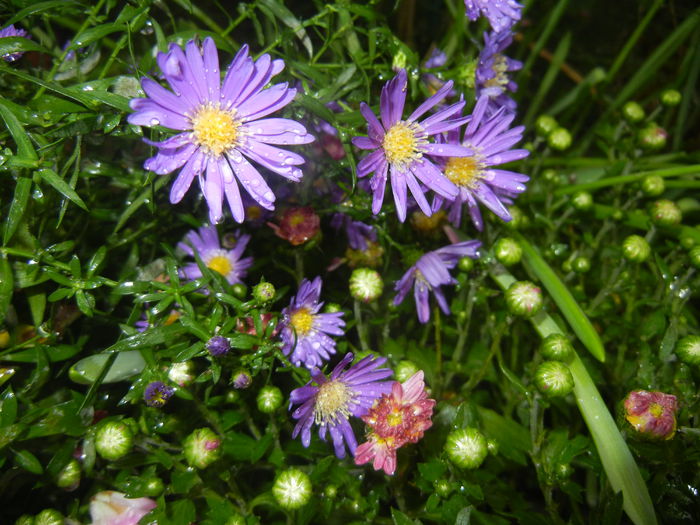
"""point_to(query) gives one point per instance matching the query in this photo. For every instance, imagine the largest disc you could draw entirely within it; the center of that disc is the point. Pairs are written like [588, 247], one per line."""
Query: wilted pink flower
[297, 225]
[114, 508]
[652, 414]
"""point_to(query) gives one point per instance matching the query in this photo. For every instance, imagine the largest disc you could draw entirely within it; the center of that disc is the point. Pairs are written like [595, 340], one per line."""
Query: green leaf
[17, 208]
[19, 44]
[39, 7]
[55, 353]
[61, 186]
[28, 461]
[6, 287]
[8, 408]
[37, 305]
[94, 34]
[24, 144]
[399, 518]
[126, 365]
[287, 18]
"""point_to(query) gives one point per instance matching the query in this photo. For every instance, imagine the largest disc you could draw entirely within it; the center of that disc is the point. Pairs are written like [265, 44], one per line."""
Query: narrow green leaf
[399, 518]
[52, 86]
[60, 185]
[19, 44]
[19, 204]
[545, 85]
[93, 34]
[39, 7]
[24, 144]
[139, 201]
[6, 287]
[287, 18]
[29, 462]
[8, 408]
[95, 261]
[37, 305]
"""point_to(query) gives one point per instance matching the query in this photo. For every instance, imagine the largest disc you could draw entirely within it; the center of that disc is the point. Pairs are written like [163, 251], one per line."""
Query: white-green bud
[366, 284]
[544, 125]
[633, 112]
[652, 136]
[694, 255]
[670, 97]
[554, 379]
[181, 373]
[559, 139]
[688, 350]
[292, 489]
[556, 347]
[202, 447]
[113, 440]
[518, 221]
[25, 519]
[524, 298]
[507, 251]
[467, 448]
[636, 249]
[269, 399]
[264, 292]
[653, 185]
[404, 370]
[582, 200]
[49, 517]
[665, 213]
[69, 476]
[581, 264]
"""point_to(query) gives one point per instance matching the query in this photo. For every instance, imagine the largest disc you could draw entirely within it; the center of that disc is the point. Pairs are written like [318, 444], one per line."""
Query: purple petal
[447, 150]
[149, 113]
[433, 178]
[253, 182]
[491, 201]
[365, 143]
[165, 98]
[266, 102]
[211, 69]
[374, 127]
[213, 189]
[379, 187]
[431, 101]
[398, 186]
[184, 178]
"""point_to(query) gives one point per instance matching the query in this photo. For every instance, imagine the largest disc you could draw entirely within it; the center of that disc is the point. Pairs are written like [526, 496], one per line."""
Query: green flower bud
[686, 241]
[688, 350]
[331, 491]
[556, 347]
[519, 219]
[467, 447]
[507, 251]
[550, 176]
[665, 213]
[181, 373]
[404, 370]
[202, 447]
[239, 290]
[399, 61]
[652, 136]
[465, 264]
[653, 185]
[581, 264]
[559, 139]
[582, 200]
[467, 73]
[113, 440]
[524, 298]
[545, 125]
[264, 292]
[69, 476]
[269, 399]
[636, 249]
[25, 519]
[633, 112]
[670, 97]
[153, 487]
[236, 519]
[365, 284]
[694, 255]
[492, 446]
[554, 379]
[292, 489]
[443, 488]
[49, 517]
[332, 308]
[232, 396]
[563, 471]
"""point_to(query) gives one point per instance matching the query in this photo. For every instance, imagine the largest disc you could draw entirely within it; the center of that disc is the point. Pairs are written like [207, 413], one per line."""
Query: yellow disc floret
[221, 264]
[500, 70]
[215, 130]
[302, 321]
[333, 399]
[401, 143]
[463, 171]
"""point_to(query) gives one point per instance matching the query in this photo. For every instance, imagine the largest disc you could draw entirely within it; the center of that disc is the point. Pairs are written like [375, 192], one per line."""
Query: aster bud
[181, 373]
[559, 139]
[218, 346]
[25, 519]
[581, 264]
[492, 446]
[556, 347]
[554, 379]
[443, 488]
[467, 447]
[465, 264]
[688, 350]
[651, 414]
[652, 136]
[404, 370]
[665, 213]
[241, 379]
[550, 176]
[113, 440]
[519, 219]
[269, 399]
[239, 290]
[544, 125]
[69, 476]
[524, 298]
[292, 489]
[332, 308]
[694, 255]
[582, 200]
[670, 97]
[49, 517]
[157, 394]
[633, 112]
[365, 284]
[653, 185]
[202, 447]
[687, 241]
[264, 292]
[636, 249]
[507, 251]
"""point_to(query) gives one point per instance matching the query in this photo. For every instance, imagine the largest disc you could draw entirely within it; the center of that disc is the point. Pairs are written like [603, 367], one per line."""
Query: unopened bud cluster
[553, 379]
[467, 447]
[366, 284]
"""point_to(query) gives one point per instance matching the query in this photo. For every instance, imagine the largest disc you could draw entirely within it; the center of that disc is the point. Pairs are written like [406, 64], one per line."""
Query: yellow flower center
[302, 321]
[500, 70]
[221, 264]
[656, 410]
[401, 144]
[215, 130]
[394, 418]
[463, 171]
[332, 401]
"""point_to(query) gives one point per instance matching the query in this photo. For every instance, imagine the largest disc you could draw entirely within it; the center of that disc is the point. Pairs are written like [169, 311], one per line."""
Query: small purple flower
[11, 31]
[332, 400]
[492, 78]
[226, 262]
[502, 14]
[358, 232]
[157, 394]
[436, 59]
[490, 138]
[304, 331]
[221, 125]
[218, 346]
[431, 272]
[400, 147]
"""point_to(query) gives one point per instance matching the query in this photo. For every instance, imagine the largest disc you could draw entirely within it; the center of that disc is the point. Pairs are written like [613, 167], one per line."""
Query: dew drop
[155, 122]
[269, 196]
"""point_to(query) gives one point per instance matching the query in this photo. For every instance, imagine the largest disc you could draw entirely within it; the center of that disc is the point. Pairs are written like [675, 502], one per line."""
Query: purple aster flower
[492, 70]
[11, 31]
[431, 272]
[218, 346]
[157, 394]
[358, 232]
[502, 14]
[400, 147]
[226, 262]
[221, 125]
[304, 331]
[490, 138]
[332, 400]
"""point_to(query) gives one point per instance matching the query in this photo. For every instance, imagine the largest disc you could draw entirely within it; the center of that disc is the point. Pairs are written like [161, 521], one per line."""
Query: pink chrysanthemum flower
[652, 413]
[221, 125]
[114, 508]
[394, 420]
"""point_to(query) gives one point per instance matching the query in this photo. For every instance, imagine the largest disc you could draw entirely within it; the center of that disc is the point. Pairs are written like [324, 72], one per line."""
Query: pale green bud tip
[507, 251]
[399, 61]
[492, 445]
[49, 517]
[202, 447]
[466, 447]
[694, 255]
[581, 264]
[468, 73]
[554, 379]
[113, 440]
[653, 185]
[404, 370]
[665, 213]
[269, 399]
[559, 139]
[25, 519]
[292, 489]
[181, 373]
[556, 347]
[365, 284]
[688, 350]
[582, 200]
[652, 136]
[636, 249]
[466, 264]
[332, 308]
[544, 125]
[524, 298]
[264, 292]
[519, 219]
[69, 476]
[633, 112]
[670, 97]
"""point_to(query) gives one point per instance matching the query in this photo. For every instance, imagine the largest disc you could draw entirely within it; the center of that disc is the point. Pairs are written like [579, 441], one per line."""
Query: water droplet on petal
[269, 196]
[155, 122]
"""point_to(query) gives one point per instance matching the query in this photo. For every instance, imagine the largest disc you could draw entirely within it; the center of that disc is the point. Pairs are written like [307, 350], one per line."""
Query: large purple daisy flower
[332, 400]
[11, 31]
[502, 14]
[221, 125]
[478, 181]
[400, 145]
[429, 273]
[492, 78]
[304, 331]
[226, 262]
